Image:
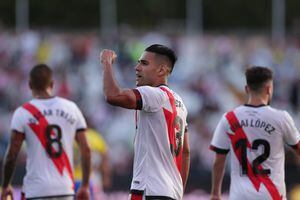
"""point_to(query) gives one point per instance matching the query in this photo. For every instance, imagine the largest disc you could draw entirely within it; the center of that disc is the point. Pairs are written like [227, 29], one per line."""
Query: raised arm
[185, 160]
[217, 176]
[13, 150]
[85, 152]
[115, 95]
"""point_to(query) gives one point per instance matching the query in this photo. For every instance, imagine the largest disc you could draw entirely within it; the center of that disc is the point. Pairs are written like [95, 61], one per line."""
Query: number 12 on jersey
[257, 169]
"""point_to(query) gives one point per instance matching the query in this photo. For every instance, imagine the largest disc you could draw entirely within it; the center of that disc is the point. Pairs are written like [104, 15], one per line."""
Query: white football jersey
[160, 130]
[255, 137]
[49, 126]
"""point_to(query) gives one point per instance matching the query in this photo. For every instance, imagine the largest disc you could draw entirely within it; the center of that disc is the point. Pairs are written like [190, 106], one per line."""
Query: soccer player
[161, 149]
[255, 134]
[49, 125]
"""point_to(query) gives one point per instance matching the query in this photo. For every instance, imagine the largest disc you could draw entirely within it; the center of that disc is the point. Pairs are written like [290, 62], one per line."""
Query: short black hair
[165, 51]
[257, 76]
[40, 77]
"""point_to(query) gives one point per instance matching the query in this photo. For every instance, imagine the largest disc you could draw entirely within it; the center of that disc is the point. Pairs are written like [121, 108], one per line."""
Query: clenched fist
[107, 56]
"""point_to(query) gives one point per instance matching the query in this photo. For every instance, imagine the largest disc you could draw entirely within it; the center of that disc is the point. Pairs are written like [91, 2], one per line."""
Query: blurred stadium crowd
[209, 75]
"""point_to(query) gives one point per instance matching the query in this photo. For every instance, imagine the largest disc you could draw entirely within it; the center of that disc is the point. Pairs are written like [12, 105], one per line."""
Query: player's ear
[268, 89]
[163, 69]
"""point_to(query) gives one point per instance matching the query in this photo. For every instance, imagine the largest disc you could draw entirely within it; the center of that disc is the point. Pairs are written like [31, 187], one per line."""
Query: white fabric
[154, 169]
[274, 126]
[42, 176]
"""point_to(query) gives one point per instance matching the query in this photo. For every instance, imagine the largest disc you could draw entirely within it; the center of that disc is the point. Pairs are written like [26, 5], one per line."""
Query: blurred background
[215, 42]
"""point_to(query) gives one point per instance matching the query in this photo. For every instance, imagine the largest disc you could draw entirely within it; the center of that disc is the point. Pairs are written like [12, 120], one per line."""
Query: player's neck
[161, 82]
[45, 94]
[257, 100]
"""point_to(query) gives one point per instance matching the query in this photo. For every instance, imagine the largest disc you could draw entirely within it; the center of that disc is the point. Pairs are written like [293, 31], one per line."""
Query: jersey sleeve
[80, 122]
[152, 98]
[291, 134]
[220, 142]
[17, 121]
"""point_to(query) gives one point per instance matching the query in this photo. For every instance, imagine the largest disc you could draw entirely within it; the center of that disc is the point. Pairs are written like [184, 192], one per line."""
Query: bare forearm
[106, 177]
[86, 168]
[185, 168]
[13, 150]
[105, 167]
[8, 169]
[110, 86]
[217, 178]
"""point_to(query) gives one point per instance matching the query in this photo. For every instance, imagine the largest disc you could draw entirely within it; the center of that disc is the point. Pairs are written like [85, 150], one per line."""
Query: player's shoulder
[169, 91]
[260, 108]
[19, 109]
[148, 88]
[23, 108]
[154, 92]
[178, 99]
[65, 101]
[267, 111]
[278, 112]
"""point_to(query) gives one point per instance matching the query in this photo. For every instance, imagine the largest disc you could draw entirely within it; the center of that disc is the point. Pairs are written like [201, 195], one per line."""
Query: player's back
[257, 136]
[49, 126]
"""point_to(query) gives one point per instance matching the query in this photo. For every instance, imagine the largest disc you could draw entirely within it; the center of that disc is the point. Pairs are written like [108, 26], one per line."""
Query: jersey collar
[47, 98]
[254, 106]
[162, 85]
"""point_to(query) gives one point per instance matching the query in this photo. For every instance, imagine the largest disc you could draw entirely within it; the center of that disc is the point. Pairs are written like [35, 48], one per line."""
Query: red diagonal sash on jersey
[170, 118]
[256, 180]
[39, 129]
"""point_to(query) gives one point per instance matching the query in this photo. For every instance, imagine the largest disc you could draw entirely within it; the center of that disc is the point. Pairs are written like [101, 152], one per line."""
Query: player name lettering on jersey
[179, 104]
[53, 112]
[257, 123]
